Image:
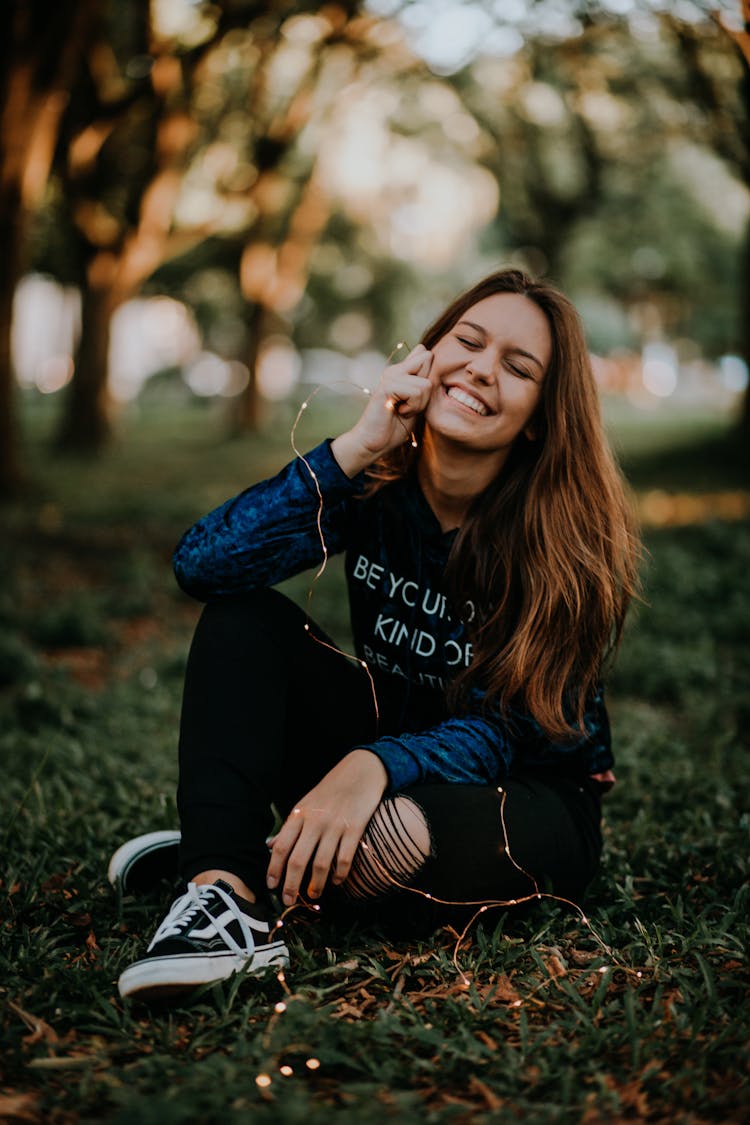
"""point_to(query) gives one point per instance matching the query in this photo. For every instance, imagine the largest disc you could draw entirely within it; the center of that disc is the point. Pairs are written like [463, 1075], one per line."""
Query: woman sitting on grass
[489, 561]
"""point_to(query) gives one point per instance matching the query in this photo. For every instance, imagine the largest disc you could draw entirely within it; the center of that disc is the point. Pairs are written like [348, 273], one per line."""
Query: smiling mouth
[468, 400]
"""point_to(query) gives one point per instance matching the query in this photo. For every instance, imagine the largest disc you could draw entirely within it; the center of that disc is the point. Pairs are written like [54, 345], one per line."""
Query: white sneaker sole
[165, 976]
[137, 848]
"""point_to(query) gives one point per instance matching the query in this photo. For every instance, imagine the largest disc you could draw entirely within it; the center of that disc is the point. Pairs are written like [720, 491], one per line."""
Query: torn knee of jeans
[393, 847]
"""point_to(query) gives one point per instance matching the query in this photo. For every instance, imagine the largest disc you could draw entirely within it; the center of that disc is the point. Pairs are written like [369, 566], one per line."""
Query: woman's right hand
[388, 419]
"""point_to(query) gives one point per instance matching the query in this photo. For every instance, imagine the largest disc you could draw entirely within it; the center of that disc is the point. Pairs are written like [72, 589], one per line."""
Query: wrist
[351, 457]
[371, 764]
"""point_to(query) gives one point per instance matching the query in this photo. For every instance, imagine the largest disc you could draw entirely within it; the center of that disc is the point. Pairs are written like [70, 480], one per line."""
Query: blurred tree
[722, 94]
[194, 147]
[603, 171]
[123, 146]
[40, 48]
[174, 138]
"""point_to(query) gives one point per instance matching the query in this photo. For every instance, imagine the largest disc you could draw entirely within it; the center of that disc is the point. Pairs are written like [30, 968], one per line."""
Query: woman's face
[489, 369]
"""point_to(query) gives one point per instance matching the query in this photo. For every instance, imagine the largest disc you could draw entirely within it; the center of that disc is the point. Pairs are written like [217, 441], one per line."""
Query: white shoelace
[189, 906]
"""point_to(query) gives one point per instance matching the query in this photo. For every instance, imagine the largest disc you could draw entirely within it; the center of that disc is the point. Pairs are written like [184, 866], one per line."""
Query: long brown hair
[548, 552]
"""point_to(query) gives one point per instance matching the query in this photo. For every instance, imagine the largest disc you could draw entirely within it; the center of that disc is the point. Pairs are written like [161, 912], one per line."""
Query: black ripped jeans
[267, 711]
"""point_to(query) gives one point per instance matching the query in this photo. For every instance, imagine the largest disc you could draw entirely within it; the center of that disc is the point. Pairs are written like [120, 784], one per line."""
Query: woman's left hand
[326, 825]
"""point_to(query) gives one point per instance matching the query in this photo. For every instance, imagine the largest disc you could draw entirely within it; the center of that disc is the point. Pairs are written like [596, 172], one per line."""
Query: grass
[651, 1025]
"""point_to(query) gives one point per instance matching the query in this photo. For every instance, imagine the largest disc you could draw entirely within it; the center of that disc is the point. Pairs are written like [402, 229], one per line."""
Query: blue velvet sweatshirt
[402, 622]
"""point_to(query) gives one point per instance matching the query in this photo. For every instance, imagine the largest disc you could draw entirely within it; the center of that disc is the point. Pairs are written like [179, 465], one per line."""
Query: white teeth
[467, 400]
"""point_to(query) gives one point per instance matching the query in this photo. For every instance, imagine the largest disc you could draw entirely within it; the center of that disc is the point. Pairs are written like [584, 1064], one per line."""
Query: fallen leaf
[55, 882]
[505, 991]
[41, 1032]
[631, 1095]
[348, 1011]
[76, 918]
[554, 966]
[65, 1062]
[18, 1107]
[491, 1099]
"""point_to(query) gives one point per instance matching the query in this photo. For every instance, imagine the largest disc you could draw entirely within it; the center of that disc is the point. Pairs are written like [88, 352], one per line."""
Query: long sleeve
[479, 748]
[269, 532]
[466, 748]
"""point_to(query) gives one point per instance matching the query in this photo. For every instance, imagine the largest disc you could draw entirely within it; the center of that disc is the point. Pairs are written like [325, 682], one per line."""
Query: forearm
[351, 457]
[464, 749]
[267, 533]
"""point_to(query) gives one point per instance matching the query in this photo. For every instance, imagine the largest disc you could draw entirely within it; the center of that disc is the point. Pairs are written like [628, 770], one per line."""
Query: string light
[482, 905]
[263, 1080]
[324, 562]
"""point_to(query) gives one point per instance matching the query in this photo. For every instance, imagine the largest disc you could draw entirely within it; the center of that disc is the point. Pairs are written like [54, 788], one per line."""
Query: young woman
[489, 560]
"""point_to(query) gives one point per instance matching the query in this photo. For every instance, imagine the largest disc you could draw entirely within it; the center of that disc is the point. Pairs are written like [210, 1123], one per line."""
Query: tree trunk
[40, 47]
[744, 420]
[246, 411]
[85, 426]
[12, 224]
[744, 427]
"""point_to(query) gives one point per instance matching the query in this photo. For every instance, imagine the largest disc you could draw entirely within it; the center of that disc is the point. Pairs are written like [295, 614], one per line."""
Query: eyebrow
[517, 350]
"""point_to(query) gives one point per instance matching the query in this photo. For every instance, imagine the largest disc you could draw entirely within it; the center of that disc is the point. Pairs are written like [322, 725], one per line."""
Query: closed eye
[522, 374]
[468, 343]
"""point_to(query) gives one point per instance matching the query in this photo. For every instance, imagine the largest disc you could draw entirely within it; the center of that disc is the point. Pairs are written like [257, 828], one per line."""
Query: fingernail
[271, 881]
[288, 899]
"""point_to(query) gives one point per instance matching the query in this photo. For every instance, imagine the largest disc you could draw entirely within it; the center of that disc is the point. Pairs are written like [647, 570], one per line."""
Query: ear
[530, 433]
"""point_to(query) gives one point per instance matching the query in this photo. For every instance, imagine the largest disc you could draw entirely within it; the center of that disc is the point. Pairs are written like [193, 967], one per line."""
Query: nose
[482, 366]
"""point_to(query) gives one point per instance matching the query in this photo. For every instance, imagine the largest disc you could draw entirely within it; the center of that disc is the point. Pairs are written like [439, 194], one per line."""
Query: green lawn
[644, 1017]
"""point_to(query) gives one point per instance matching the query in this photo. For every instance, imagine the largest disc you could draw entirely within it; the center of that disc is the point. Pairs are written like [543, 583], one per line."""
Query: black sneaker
[140, 864]
[209, 934]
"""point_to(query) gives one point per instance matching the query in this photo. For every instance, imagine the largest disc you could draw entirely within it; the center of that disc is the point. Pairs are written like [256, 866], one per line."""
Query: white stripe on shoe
[224, 920]
[194, 945]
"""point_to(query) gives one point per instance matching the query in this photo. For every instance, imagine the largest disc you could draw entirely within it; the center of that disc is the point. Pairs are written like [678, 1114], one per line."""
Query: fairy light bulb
[263, 1080]
[280, 1007]
[286, 1070]
[312, 1063]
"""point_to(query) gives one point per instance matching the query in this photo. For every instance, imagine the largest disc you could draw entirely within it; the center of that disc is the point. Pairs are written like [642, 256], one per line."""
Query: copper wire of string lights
[319, 521]
[483, 905]
[324, 562]
[311, 1064]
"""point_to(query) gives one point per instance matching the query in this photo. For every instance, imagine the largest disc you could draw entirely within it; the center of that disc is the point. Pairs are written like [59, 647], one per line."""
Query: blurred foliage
[275, 167]
[608, 178]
